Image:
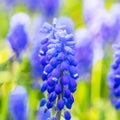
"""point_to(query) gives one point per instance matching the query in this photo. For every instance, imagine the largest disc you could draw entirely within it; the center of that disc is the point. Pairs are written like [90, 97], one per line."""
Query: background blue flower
[18, 103]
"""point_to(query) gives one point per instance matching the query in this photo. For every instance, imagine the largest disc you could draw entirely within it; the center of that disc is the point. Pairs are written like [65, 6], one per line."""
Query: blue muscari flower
[84, 42]
[17, 39]
[10, 3]
[32, 5]
[91, 10]
[49, 8]
[18, 103]
[104, 26]
[17, 36]
[60, 73]
[114, 78]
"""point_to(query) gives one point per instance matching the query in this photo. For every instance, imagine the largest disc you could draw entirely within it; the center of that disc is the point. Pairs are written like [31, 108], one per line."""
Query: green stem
[58, 115]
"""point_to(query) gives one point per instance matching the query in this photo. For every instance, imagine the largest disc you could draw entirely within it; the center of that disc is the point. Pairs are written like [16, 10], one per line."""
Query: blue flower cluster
[60, 72]
[49, 8]
[104, 26]
[18, 103]
[102, 23]
[18, 39]
[35, 59]
[84, 42]
[114, 78]
[32, 5]
[17, 36]
[91, 10]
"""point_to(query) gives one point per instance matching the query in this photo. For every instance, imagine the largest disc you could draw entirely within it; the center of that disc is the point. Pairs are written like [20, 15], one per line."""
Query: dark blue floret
[43, 87]
[52, 96]
[71, 60]
[43, 49]
[43, 60]
[64, 66]
[68, 105]
[50, 89]
[56, 73]
[117, 79]
[58, 89]
[67, 115]
[48, 68]
[67, 93]
[51, 82]
[44, 76]
[49, 105]
[73, 72]
[72, 85]
[42, 102]
[114, 65]
[70, 99]
[54, 62]
[65, 79]
[60, 104]
[61, 56]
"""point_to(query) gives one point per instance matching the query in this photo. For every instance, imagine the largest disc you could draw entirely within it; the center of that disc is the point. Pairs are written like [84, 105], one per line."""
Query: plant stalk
[58, 115]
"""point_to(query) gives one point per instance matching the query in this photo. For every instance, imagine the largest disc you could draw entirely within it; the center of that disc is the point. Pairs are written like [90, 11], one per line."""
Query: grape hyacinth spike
[18, 35]
[60, 73]
[114, 78]
[18, 103]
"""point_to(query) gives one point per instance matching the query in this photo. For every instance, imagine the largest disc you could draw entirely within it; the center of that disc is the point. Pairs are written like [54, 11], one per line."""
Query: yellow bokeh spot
[93, 114]
[4, 54]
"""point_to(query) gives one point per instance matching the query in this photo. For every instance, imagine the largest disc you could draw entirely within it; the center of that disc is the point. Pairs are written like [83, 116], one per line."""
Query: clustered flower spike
[84, 42]
[91, 10]
[17, 36]
[114, 78]
[18, 103]
[60, 72]
[104, 26]
[49, 8]
[35, 62]
[32, 5]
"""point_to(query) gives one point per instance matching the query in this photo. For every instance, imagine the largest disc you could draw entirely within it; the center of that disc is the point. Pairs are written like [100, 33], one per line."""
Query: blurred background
[96, 29]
